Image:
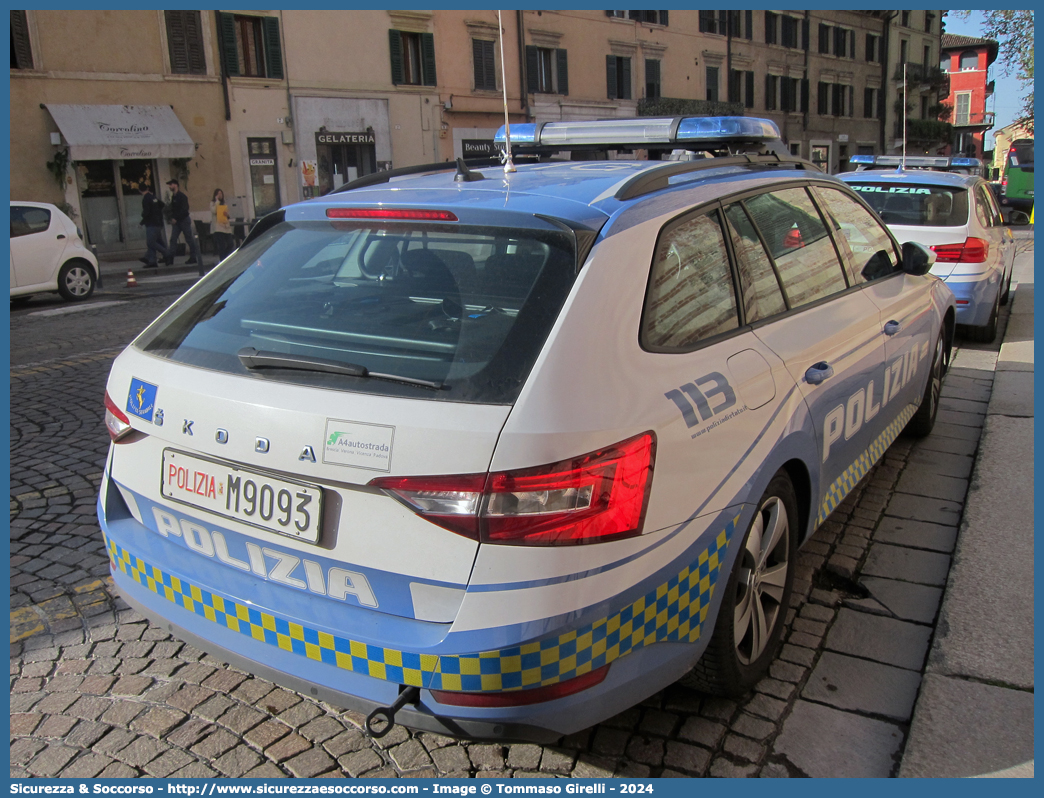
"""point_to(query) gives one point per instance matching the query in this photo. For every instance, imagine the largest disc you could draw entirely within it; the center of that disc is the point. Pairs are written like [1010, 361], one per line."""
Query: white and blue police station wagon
[500, 452]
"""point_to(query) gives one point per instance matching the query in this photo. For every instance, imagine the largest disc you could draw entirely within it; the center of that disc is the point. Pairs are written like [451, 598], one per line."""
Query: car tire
[756, 599]
[76, 280]
[987, 333]
[923, 421]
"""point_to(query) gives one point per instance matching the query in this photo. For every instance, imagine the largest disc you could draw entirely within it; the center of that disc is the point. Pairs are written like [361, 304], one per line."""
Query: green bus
[1017, 183]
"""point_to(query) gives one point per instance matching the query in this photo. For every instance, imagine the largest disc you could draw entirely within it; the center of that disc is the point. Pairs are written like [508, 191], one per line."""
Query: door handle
[818, 372]
[892, 327]
[61, 236]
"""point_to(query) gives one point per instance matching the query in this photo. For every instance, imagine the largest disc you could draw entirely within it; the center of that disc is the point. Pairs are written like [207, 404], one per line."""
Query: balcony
[927, 76]
[983, 119]
[674, 106]
[925, 132]
[990, 87]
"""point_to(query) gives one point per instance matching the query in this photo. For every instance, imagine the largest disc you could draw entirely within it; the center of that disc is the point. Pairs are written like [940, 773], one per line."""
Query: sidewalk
[974, 713]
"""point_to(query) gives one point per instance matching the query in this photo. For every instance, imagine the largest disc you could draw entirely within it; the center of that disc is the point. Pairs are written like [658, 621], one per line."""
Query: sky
[1006, 101]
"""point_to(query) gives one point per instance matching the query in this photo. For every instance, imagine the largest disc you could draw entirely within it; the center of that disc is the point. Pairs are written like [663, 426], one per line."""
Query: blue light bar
[523, 133]
[716, 128]
[965, 162]
[861, 159]
[644, 132]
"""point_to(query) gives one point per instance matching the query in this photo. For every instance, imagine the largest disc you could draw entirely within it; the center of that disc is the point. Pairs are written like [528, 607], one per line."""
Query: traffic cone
[131, 282]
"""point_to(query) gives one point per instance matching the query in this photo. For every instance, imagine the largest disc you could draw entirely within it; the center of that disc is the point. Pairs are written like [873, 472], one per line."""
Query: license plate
[283, 506]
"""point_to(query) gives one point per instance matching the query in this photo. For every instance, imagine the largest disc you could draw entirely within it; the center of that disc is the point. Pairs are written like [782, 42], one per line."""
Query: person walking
[179, 208]
[220, 229]
[152, 220]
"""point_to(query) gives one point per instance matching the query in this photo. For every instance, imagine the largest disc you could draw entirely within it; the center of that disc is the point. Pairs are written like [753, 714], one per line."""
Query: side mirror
[1018, 218]
[917, 258]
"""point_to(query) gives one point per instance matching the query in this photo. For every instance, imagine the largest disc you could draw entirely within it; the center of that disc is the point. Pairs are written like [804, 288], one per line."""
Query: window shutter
[787, 92]
[750, 90]
[804, 95]
[734, 86]
[749, 33]
[177, 41]
[194, 33]
[770, 28]
[428, 59]
[880, 104]
[395, 48]
[229, 55]
[824, 38]
[610, 77]
[804, 34]
[770, 104]
[652, 78]
[823, 96]
[273, 52]
[625, 78]
[532, 67]
[663, 18]
[20, 46]
[563, 71]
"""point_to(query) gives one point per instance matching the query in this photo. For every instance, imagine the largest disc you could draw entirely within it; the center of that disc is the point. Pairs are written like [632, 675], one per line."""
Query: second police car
[500, 454]
[944, 204]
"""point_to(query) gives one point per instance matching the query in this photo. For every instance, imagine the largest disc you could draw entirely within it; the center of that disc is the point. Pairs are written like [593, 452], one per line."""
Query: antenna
[902, 164]
[508, 165]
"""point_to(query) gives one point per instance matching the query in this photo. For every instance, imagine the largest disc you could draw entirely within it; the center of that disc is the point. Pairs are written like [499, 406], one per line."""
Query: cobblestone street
[96, 691]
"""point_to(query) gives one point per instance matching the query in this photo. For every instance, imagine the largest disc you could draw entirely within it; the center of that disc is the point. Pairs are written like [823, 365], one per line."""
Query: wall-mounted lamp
[56, 139]
[448, 105]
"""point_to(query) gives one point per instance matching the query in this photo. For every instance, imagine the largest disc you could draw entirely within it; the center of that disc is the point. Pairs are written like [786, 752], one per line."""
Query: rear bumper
[975, 297]
[268, 635]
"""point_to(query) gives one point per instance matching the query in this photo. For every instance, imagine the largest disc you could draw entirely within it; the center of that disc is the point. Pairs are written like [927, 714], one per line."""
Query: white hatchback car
[500, 454]
[48, 253]
[957, 216]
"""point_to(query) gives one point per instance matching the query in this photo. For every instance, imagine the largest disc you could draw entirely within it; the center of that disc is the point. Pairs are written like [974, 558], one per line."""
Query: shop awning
[105, 132]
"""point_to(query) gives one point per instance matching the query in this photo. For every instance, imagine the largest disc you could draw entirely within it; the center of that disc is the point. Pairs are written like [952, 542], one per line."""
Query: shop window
[21, 50]
[412, 58]
[250, 46]
[264, 176]
[547, 70]
[485, 64]
[185, 43]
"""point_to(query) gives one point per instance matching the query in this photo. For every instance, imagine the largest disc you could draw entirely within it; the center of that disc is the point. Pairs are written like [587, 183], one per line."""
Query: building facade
[967, 60]
[277, 106]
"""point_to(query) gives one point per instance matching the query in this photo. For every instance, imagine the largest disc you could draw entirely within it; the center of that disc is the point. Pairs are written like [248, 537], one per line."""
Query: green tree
[1013, 30]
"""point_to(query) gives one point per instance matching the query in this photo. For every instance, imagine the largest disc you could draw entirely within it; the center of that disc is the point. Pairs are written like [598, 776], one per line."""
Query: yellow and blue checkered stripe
[675, 611]
[844, 484]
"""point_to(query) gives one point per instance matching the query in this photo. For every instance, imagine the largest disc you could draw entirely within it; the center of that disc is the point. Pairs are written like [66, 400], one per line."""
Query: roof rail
[940, 163]
[660, 178]
[377, 178]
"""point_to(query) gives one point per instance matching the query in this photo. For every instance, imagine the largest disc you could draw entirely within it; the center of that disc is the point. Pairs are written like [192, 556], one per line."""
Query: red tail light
[116, 422]
[404, 214]
[518, 698]
[973, 250]
[593, 498]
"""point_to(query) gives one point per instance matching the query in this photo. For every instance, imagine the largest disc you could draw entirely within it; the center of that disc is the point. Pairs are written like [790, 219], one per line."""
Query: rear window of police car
[463, 308]
[923, 206]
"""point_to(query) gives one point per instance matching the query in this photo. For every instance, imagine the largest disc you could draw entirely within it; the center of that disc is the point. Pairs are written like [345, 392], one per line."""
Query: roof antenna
[465, 175]
[508, 165]
[902, 163]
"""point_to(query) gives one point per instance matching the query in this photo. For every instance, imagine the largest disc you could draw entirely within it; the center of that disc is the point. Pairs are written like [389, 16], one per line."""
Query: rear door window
[690, 296]
[798, 241]
[26, 220]
[452, 312]
[759, 284]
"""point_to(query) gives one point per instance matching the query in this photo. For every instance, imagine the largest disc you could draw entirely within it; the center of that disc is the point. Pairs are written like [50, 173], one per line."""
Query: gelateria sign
[107, 132]
[345, 138]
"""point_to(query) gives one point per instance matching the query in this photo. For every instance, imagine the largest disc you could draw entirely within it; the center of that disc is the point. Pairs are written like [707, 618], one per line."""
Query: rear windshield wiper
[254, 359]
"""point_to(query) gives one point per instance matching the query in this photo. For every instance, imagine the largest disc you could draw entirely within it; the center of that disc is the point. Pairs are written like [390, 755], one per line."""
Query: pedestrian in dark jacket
[179, 208]
[152, 220]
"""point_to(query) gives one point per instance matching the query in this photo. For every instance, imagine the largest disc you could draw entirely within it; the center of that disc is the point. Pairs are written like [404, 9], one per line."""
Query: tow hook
[386, 715]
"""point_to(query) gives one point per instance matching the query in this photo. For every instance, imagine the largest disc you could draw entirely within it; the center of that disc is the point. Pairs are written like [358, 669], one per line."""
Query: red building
[968, 61]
